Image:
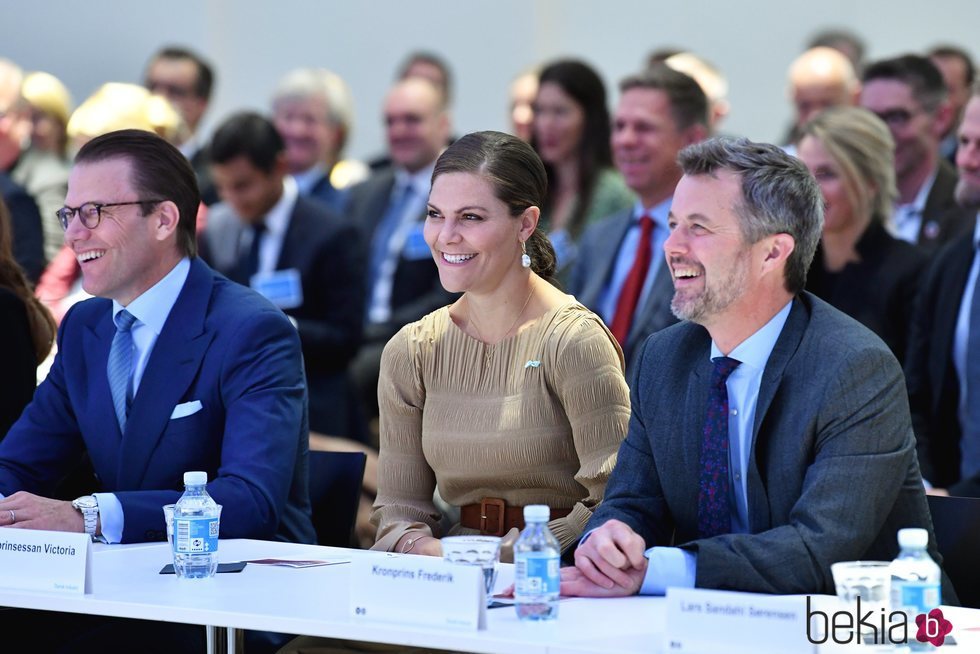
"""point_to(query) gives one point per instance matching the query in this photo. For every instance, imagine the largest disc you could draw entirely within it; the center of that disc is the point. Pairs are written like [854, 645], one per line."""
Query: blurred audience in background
[571, 135]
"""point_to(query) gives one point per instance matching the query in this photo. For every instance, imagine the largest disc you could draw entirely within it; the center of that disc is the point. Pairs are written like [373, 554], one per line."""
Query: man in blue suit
[770, 434]
[170, 368]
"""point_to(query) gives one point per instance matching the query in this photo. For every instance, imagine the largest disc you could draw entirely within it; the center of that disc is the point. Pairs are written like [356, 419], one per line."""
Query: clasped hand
[610, 563]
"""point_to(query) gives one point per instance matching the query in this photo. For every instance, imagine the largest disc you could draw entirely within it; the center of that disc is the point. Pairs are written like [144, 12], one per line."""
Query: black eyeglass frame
[65, 214]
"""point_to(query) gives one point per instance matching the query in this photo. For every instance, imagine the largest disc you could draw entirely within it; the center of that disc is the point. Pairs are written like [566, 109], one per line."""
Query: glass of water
[168, 514]
[869, 580]
[474, 550]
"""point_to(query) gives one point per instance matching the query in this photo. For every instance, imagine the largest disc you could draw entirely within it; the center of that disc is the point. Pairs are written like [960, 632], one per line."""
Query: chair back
[956, 521]
[335, 492]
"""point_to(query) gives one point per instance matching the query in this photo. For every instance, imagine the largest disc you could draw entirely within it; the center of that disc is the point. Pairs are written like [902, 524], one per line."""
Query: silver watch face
[85, 502]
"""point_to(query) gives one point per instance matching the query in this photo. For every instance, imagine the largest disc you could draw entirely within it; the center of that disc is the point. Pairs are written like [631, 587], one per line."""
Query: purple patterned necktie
[714, 511]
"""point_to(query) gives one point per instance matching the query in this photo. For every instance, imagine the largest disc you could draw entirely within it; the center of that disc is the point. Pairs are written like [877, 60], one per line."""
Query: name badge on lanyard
[281, 287]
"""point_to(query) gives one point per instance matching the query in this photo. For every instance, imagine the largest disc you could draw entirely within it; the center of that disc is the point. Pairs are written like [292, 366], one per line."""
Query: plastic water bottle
[916, 579]
[196, 520]
[536, 559]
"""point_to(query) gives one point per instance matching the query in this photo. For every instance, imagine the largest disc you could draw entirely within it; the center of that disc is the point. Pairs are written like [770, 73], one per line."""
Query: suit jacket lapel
[172, 366]
[950, 295]
[606, 251]
[101, 414]
[654, 314]
[292, 242]
[378, 203]
[786, 346]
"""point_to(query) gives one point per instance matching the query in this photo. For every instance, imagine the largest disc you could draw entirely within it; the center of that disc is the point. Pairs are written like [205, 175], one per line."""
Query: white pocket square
[186, 409]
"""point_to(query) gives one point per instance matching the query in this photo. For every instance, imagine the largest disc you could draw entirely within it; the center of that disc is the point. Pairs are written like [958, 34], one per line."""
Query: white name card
[45, 560]
[735, 623]
[422, 590]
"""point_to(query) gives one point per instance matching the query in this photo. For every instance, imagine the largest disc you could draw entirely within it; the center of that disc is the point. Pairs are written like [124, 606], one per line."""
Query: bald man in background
[819, 78]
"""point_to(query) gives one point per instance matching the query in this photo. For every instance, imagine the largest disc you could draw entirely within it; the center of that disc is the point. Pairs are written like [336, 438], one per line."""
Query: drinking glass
[474, 550]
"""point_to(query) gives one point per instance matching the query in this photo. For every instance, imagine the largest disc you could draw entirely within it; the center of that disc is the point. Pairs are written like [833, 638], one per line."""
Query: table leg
[224, 640]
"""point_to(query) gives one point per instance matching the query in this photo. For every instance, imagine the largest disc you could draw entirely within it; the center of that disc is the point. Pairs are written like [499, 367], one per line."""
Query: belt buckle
[492, 513]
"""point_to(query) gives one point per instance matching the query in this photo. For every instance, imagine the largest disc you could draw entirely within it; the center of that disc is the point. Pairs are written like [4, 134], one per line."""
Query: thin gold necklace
[487, 346]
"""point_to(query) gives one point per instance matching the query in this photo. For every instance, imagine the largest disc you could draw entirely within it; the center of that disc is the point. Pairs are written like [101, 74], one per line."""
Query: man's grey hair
[779, 195]
[320, 83]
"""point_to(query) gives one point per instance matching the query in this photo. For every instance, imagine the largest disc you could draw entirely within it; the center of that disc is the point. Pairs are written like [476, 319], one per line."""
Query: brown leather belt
[493, 517]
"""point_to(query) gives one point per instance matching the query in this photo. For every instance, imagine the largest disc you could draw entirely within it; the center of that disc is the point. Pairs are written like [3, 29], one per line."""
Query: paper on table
[298, 563]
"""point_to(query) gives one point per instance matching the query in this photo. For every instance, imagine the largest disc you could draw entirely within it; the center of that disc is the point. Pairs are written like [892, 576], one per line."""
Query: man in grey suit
[820, 465]
[619, 275]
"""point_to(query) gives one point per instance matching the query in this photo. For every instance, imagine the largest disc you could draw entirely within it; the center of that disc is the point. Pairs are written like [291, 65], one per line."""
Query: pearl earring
[525, 260]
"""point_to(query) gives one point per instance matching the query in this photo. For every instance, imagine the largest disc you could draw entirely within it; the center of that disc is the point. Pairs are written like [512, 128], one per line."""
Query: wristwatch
[89, 507]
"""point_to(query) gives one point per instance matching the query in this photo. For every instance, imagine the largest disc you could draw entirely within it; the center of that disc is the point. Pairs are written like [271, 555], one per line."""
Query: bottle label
[919, 597]
[536, 573]
[195, 535]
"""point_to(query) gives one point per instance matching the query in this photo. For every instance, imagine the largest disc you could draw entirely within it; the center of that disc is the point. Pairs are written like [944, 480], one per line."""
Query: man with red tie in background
[619, 274]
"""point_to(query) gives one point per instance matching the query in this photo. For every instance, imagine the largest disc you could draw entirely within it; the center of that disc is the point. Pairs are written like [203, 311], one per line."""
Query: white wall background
[253, 42]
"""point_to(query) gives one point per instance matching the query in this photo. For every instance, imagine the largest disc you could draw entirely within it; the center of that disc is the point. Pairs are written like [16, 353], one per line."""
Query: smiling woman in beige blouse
[512, 395]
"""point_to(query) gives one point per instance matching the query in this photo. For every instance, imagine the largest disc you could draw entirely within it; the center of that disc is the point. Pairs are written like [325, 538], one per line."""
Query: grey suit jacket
[832, 471]
[598, 250]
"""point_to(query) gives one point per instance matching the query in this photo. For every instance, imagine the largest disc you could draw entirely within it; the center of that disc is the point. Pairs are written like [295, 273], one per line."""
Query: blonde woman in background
[859, 267]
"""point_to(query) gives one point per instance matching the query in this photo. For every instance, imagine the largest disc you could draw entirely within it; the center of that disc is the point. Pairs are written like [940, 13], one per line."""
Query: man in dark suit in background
[620, 274]
[909, 95]
[943, 367]
[300, 255]
[770, 435]
[186, 80]
[402, 280]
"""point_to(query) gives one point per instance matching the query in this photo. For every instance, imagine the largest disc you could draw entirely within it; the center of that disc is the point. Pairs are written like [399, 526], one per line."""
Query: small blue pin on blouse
[531, 363]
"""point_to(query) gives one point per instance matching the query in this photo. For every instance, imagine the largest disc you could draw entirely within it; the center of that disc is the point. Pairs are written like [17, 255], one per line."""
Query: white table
[314, 601]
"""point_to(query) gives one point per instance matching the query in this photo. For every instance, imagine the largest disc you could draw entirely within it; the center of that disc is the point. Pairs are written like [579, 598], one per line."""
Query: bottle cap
[195, 478]
[537, 513]
[913, 537]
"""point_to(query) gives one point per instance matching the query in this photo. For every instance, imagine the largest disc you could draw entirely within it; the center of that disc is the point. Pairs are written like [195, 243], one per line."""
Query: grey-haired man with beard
[770, 435]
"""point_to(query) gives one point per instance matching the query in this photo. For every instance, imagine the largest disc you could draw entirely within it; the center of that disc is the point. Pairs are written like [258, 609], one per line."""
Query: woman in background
[571, 134]
[859, 267]
[26, 331]
[512, 395]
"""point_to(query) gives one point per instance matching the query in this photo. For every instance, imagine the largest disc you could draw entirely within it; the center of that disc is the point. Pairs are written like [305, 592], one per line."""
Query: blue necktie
[120, 366]
[714, 510]
[384, 231]
[971, 430]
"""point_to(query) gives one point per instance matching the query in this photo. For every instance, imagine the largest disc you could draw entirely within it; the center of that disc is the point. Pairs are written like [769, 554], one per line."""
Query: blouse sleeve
[405, 481]
[590, 385]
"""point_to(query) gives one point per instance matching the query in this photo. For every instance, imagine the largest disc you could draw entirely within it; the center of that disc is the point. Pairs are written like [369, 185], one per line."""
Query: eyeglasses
[897, 118]
[90, 213]
[169, 90]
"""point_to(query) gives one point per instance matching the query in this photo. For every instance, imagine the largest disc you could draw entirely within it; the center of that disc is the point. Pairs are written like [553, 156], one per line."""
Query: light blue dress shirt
[907, 218]
[970, 465]
[151, 310]
[675, 567]
[627, 253]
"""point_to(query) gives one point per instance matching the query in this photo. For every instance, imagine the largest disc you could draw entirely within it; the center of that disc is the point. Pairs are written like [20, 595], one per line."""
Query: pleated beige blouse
[534, 419]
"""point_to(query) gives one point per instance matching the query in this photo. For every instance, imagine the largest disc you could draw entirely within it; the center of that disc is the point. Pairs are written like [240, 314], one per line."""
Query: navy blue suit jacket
[222, 345]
